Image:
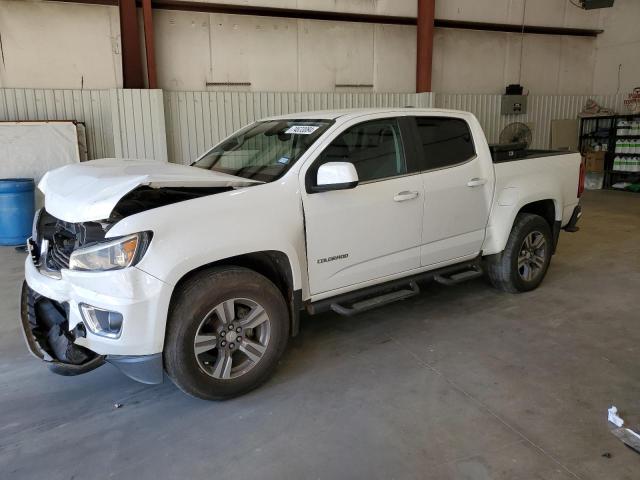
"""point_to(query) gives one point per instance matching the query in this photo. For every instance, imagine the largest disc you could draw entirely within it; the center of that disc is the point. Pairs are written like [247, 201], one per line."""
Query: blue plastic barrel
[16, 210]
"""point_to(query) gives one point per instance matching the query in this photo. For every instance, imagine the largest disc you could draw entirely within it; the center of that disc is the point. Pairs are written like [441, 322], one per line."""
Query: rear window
[445, 141]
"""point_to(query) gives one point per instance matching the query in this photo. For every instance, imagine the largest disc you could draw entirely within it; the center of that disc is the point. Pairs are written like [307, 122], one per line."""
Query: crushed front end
[76, 320]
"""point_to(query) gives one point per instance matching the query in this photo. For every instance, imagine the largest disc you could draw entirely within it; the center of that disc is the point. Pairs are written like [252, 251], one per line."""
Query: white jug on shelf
[623, 127]
[624, 146]
[618, 146]
[617, 164]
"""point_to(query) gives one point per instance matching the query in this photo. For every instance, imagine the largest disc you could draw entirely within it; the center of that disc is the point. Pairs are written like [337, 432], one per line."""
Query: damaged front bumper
[56, 333]
[43, 324]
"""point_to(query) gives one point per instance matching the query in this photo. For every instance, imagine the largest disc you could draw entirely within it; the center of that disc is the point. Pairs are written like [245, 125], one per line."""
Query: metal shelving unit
[604, 128]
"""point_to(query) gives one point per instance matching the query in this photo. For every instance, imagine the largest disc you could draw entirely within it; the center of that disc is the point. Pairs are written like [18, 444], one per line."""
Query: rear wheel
[524, 262]
[226, 331]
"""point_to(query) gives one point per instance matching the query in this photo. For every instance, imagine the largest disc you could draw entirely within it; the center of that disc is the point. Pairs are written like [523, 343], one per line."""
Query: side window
[445, 141]
[374, 148]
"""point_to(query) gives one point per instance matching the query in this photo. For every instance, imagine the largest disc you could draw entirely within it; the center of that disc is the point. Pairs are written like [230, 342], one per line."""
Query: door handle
[476, 182]
[405, 195]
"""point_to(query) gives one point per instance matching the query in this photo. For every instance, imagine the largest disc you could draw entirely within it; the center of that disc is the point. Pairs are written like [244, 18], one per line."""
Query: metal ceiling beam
[188, 6]
[511, 28]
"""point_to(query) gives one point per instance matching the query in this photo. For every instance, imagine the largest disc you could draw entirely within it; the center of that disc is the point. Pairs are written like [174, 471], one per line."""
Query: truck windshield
[263, 150]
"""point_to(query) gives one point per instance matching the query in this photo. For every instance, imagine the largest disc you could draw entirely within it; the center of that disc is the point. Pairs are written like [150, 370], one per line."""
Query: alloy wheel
[532, 256]
[232, 338]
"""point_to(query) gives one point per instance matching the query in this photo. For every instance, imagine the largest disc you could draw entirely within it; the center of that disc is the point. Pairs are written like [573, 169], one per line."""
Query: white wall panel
[183, 54]
[335, 53]
[485, 62]
[395, 58]
[197, 120]
[617, 66]
[57, 45]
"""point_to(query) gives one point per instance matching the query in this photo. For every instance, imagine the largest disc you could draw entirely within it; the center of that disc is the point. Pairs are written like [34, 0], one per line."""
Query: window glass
[264, 150]
[445, 141]
[374, 148]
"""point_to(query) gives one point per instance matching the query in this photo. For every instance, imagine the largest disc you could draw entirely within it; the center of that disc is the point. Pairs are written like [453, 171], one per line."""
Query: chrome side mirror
[336, 176]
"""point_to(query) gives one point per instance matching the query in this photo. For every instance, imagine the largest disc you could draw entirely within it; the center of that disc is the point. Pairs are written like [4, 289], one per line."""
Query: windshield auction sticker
[301, 129]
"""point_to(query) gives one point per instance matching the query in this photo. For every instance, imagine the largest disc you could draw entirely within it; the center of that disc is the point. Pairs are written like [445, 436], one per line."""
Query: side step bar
[458, 277]
[374, 302]
[401, 288]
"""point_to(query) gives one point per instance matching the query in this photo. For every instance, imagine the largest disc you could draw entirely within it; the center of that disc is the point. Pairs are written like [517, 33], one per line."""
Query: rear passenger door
[372, 231]
[458, 187]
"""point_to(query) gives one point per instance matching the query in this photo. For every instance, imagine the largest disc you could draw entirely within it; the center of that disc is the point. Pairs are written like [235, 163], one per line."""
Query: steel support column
[132, 75]
[149, 44]
[426, 13]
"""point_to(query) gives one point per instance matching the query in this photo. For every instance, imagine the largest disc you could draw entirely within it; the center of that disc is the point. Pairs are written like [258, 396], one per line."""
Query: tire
[218, 343]
[521, 267]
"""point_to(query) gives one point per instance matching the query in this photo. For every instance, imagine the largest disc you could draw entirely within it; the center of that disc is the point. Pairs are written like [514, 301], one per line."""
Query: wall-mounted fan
[516, 132]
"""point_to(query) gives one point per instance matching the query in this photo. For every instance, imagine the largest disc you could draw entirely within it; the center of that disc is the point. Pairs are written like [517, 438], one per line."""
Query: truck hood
[89, 191]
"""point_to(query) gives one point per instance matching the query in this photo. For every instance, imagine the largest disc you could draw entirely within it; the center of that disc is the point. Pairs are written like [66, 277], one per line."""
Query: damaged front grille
[54, 240]
[57, 257]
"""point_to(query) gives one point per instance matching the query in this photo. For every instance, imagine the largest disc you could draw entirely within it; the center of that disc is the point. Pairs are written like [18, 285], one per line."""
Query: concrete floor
[462, 382]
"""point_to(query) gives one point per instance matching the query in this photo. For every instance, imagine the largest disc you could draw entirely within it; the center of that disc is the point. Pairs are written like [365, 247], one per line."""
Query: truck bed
[539, 174]
[514, 151]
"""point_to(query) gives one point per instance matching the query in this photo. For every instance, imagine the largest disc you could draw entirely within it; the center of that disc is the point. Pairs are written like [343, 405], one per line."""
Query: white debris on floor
[627, 436]
[614, 418]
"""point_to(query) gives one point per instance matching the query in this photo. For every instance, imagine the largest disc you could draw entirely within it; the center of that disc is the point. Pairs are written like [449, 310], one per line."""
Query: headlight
[113, 255]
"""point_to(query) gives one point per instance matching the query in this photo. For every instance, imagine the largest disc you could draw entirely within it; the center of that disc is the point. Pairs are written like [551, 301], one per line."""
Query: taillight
[581, 180]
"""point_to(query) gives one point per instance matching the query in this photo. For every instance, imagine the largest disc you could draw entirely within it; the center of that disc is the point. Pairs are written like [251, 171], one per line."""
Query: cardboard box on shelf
[594, 162]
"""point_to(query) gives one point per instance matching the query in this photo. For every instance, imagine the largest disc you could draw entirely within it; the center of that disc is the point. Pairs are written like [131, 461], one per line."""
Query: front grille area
[62, 238]
[57, 257]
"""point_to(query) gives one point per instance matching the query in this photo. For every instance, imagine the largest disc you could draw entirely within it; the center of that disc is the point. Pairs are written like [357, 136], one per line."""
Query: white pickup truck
[202, 271]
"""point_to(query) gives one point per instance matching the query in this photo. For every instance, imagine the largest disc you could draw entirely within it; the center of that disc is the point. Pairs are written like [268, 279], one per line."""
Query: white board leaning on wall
[29, 149]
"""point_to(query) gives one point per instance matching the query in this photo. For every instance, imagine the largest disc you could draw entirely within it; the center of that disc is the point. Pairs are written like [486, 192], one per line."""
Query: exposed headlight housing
[115, 254]
[34, 226]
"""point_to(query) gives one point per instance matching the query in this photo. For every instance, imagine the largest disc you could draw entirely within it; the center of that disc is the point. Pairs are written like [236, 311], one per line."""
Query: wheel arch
[546, 208]
[504, 218]
[272, 264]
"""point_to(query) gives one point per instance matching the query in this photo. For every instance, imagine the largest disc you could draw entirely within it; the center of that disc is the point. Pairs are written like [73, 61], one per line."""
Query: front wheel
[226, 331]
[524, 262]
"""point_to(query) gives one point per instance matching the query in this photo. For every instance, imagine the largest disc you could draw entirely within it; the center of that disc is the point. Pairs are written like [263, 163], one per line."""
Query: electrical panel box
[513, 104]
[592, 4]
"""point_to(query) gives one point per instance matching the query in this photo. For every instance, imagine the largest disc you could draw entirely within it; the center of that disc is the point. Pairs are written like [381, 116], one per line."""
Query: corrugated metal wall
[139, 124]
[541, 109]
[119, 123]
[91, 107]
[179, 126]
[197, 120]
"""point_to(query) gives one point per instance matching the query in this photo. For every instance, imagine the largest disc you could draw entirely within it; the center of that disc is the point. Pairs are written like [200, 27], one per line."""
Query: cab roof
[348, 114]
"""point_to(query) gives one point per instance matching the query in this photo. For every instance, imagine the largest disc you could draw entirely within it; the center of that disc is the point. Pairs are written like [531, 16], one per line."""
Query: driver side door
[361, 235]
